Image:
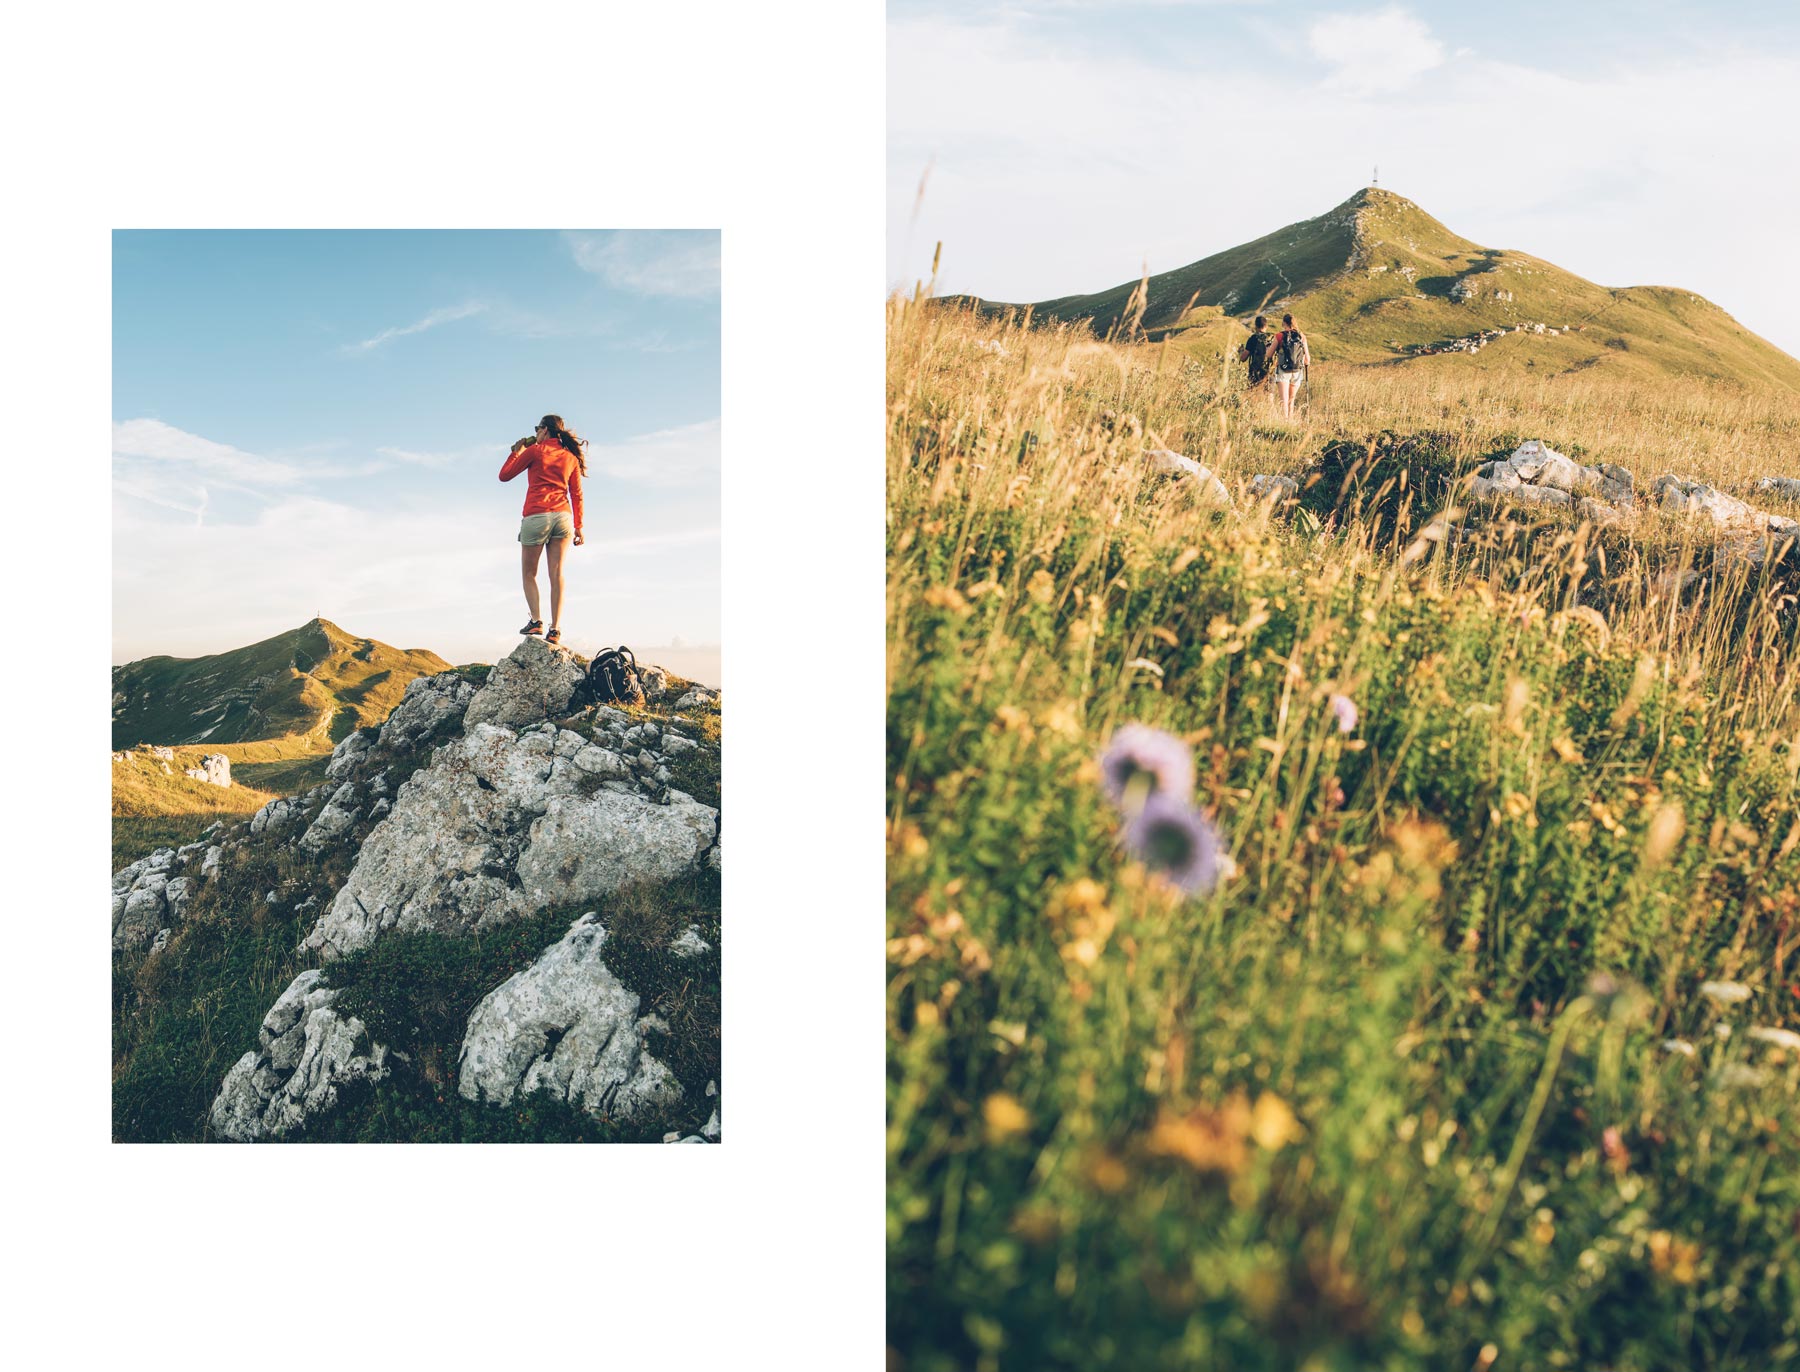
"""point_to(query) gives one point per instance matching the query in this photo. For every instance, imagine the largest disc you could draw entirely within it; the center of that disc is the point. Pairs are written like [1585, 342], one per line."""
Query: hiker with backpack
[1256, 352]
[552, 517]
[1292, 358]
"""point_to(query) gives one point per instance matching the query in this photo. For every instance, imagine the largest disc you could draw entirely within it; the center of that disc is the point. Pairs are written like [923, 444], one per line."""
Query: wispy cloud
[454, 458]
[1382, 50]
[157, 442]
[430, 321]
[684, 456]
[675, 262]
[151, 495]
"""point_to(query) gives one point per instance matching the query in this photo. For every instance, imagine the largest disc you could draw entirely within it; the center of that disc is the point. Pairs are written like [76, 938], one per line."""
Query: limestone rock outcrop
[1537, 474]
[504, 823]
[214, 768]
[567, 1026]
[334, 820]
[1698, 500]
[432, 707]
[306, 1051]
[140, 900]
[531, 684]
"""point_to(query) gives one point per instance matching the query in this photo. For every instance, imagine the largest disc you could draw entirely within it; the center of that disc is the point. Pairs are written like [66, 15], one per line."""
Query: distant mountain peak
[292, 683]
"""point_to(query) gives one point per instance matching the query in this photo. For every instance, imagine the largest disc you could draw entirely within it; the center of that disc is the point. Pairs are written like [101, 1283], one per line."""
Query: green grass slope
[155, 805]
[1376, 280]
[316, 680]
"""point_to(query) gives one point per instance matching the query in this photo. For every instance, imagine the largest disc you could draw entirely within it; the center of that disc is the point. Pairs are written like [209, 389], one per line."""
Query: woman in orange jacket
[552, 517]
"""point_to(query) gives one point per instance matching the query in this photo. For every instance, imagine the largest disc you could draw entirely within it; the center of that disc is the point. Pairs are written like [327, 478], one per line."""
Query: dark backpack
[612, 679]
[1290, 353]
[1257, 348]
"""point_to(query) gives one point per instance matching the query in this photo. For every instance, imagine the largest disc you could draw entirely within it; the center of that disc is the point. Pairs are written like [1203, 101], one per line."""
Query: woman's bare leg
[557, 547]
[528, 565]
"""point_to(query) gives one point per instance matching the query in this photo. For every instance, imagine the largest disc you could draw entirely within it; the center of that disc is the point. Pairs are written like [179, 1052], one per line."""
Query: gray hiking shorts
[539, 529]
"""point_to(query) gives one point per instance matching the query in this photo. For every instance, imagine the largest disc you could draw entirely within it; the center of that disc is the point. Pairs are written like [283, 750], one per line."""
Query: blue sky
[1064, 144]
[312, 423]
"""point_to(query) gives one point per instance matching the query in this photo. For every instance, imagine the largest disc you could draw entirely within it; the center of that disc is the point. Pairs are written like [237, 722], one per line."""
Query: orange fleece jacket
[555, 482]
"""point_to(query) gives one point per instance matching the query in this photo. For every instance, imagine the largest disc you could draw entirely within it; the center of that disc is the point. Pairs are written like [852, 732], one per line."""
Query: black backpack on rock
[612, 679]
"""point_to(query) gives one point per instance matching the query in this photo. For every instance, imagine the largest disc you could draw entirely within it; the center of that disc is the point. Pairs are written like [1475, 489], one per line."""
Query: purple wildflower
[1344, 709]
[1140, 762]
[1171, 837]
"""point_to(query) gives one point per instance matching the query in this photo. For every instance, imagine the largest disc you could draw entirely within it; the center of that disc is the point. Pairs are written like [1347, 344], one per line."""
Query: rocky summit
[491, 903]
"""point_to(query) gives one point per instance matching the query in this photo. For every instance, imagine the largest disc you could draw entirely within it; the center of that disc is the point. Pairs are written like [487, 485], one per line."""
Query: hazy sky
[312, 423]
[1064, 143]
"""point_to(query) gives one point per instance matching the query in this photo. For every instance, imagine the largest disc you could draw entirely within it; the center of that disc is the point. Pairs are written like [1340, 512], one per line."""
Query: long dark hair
[553, 422]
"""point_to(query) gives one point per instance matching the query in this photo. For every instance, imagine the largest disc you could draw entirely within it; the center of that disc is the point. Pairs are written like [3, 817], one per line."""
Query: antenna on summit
[1375, 176]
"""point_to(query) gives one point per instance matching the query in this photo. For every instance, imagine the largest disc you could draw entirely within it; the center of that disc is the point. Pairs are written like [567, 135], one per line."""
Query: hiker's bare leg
[528, 565]
[557, 547]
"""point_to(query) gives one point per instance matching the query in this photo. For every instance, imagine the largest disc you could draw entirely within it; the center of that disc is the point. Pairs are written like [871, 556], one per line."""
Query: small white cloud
[675, 262]
[684, 456]
[430, 321]
[1378, 51]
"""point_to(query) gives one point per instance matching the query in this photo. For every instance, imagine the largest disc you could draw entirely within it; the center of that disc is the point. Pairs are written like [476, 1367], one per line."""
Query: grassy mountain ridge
[314, 680]
[1377, 280]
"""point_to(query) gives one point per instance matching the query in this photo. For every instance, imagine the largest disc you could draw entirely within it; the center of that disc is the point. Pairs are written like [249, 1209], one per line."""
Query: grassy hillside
[1376, 280]
[315, 681]
[156, 806]
[1478, 1049]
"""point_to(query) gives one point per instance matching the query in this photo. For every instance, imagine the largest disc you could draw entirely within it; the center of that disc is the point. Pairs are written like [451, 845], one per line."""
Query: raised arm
[516, 461]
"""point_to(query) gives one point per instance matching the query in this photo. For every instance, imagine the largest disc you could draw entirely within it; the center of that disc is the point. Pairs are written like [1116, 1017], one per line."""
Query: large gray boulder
[141, 902]
[502, 824]
[566, 1026]
[354, 748]
[529, 685]
[1782, 487]
[214, 768]
[334, 820]
[306, 1051]
[587, 847]
[431, 708]
[277, 815]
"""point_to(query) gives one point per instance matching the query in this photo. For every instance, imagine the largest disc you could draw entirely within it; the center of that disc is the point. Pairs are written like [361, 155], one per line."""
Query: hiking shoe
[535, 627]
[554, 636]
